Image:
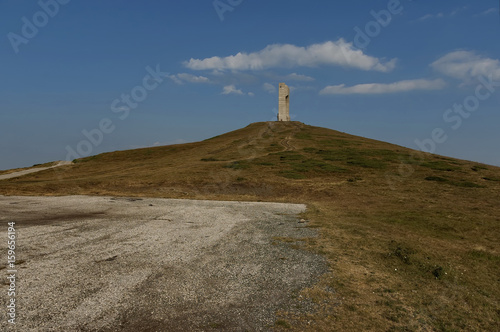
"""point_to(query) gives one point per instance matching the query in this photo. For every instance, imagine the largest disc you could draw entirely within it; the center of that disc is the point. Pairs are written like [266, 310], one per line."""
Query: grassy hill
[412, 238]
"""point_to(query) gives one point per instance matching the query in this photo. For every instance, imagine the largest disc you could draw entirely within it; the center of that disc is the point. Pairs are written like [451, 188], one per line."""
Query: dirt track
[32, 170]
[117, 264]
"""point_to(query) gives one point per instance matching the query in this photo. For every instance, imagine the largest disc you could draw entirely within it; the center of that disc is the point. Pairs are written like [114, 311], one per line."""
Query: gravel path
[32, 170]
[117, 264]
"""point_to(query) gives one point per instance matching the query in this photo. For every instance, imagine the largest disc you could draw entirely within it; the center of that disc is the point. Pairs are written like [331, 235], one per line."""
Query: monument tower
[284, 103]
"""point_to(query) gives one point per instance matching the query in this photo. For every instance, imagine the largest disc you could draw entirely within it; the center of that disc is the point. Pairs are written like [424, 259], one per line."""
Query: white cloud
[184, 77]
[430, 16]
[175, 79]
[467, 65]
[381, 88]
[441, 15]
[251, 94]
[294, 88]
[340, 53]
[298, 77]
[269, 87]
[229, 89]
[488, 12]
[458, 10]
[192, 78]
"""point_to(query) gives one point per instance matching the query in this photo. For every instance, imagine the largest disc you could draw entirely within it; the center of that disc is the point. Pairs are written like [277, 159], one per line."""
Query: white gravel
[118, 264]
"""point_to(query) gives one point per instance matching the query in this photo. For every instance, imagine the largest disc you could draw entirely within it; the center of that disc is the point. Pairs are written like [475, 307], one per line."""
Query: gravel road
[126, 264]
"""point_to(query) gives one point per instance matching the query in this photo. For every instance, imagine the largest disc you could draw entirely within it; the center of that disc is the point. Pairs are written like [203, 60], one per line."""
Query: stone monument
[284, 103]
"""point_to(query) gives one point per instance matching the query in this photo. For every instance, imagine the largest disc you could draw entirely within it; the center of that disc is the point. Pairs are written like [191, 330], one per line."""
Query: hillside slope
[412, 238]
[263, 160]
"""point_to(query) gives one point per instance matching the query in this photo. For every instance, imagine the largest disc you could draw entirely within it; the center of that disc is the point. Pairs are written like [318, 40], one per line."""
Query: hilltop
[266, 160]
[412, 238]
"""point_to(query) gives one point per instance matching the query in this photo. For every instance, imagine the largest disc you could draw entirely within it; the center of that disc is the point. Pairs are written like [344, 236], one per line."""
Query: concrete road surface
[117, 264]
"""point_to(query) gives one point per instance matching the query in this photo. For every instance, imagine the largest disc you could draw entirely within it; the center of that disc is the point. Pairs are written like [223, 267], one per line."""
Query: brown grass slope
[412, 238]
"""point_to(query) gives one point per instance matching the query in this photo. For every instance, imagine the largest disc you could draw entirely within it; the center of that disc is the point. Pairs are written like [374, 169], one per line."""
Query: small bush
[401, 251]
[438, 272]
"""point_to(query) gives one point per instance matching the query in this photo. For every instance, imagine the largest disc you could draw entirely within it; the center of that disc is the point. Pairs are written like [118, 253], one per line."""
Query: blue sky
[85, 77]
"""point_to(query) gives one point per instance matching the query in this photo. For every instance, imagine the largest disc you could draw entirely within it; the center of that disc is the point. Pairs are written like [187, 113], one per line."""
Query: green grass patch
[440, 166]
[282, 323]
[310, 150]
[335, 142]
[491, 179]
[367, 163]
[436, 179]
[467, 184]
[355, 157]
[463, 183]
[316, 166]
[291, 175]
[483, 255]
[215, 325]
[388, 155]
[415, 261]
[288, 156]
[477, 168]
[303, 136]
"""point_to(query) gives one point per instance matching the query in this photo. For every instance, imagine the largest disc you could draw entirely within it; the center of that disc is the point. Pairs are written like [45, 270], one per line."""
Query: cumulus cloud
[340, 53]
[184, 77]
[269, 88]
[381, 88]
[466, 65]
[251, 94]
[231, 89]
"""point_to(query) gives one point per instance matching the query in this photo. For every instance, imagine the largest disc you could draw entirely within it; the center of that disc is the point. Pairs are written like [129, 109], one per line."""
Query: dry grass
[412, 239]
